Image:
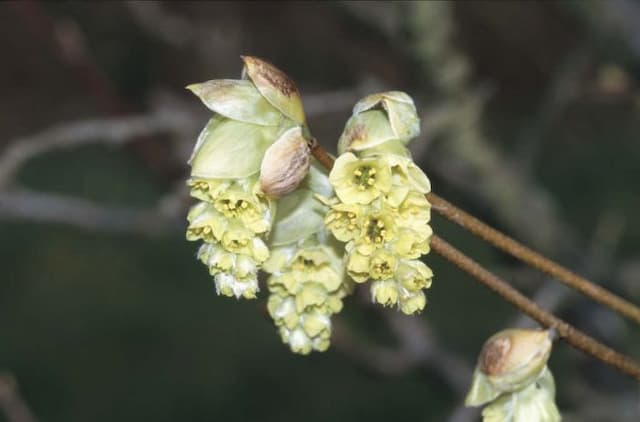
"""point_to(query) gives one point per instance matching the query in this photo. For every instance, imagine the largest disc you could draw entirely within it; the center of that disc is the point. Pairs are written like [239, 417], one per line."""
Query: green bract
[224, 140]
[534, 403]
[380, 210]
[400, 109]
[238, 100]
[300, 214]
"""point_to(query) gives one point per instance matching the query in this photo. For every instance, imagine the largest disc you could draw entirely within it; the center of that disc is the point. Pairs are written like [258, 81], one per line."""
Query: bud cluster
[379, 208]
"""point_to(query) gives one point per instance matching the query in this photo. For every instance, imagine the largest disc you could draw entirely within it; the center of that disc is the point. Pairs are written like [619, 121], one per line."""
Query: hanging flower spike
[379, 208]
[259, 115]
[512, 378]
[307, 281]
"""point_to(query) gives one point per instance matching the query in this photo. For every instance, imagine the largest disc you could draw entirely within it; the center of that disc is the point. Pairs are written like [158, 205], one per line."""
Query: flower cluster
[231, 219]
[252, 117]
[512, 378]
[307, 282]
[263, 204]
[379, 208]
[307, 287]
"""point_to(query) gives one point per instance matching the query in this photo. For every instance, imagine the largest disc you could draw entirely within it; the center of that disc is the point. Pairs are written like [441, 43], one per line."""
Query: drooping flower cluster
[234, 215]
[307, 282]
[253, 159]
[231, 221]
[379, 208]
[512, 378]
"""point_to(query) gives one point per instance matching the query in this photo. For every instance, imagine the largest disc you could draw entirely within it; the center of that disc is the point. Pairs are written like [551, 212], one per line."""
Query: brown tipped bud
[285, 164]
[515, 357]
[276, 87]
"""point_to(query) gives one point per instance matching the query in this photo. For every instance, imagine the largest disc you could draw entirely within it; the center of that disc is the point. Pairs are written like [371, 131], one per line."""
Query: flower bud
[285, 164]
[509, 361]
[513, 358]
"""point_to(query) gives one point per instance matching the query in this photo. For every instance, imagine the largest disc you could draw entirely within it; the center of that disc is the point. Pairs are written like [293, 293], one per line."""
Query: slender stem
[571, 335]
[568, 333]
[320, 154]
[511, 246]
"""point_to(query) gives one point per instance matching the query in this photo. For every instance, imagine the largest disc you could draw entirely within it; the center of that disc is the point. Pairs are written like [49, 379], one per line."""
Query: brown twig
[512, 247]
[565, 331]
[568, 333]
[320, 154]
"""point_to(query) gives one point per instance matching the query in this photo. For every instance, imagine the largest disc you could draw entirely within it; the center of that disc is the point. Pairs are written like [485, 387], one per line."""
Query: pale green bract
[534, 403]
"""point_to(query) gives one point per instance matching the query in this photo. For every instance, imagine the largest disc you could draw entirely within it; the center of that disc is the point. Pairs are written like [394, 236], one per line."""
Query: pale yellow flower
[414, 212]
[411, 244]
[385, 292]
[207, 189]
[358, 266]
[307, 287]
[378, 228]
[344, 221]
[234, 204]
[234, 274]
[383, 265]
[360, 181]
[414, 275]
[412, 302]
[205, 223]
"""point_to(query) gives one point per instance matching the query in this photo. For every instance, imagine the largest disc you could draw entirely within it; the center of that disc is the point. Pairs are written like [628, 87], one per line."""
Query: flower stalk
[534, 259]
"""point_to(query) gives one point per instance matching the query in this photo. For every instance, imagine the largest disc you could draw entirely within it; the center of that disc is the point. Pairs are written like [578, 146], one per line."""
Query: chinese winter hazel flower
[306, 289]
[260, 115]
[358, 181]
[379, 209]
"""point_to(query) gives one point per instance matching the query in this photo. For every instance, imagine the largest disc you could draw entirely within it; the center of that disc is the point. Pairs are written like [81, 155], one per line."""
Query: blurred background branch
[11, 402]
